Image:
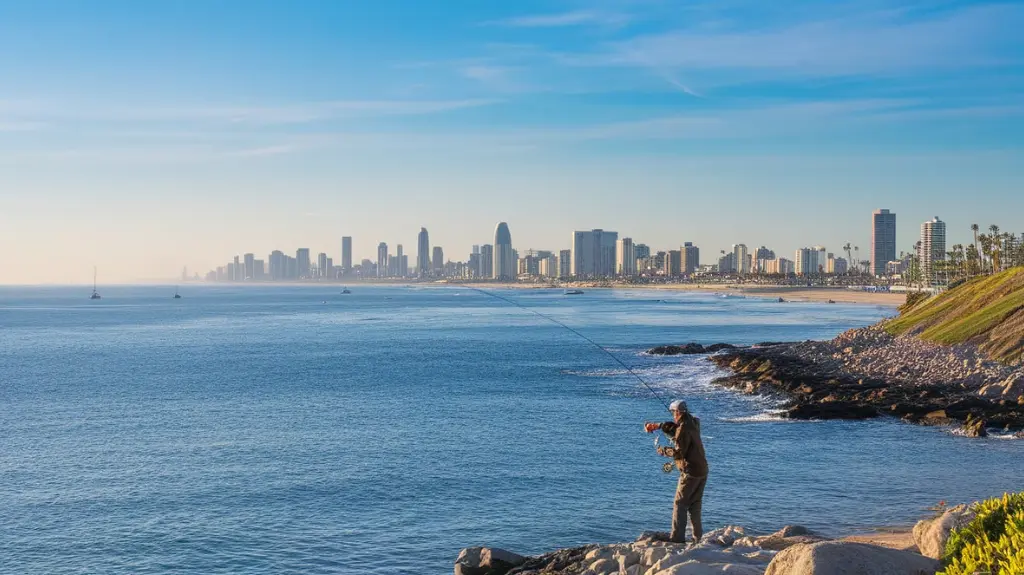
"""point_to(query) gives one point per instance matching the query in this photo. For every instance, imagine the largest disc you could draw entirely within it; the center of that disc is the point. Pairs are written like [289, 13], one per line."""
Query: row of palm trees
[990, 253]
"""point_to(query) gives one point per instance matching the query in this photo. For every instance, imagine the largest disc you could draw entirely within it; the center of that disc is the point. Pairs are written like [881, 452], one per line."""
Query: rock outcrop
[691, 348]
[931, 535]
[866, 373]
[793, 550]
[845, 558]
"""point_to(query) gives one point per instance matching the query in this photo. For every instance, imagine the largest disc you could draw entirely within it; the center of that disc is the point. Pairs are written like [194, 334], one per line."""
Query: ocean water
[298, 430]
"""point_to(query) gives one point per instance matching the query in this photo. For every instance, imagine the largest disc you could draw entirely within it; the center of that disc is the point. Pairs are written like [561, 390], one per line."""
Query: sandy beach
[795, 293]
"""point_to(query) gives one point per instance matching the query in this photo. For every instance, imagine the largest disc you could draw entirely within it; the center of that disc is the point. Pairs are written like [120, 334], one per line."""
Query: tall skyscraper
[564, 263]
[278, 266]
[504, 256]
[423, 254]
[933, 248]
[727, 263]
[486, 261]
[641, 251]
[302, 262]
[741, 259]
[811, 261]
[437, 259]
[625, 258]
[250, 267]
[593, 253]
[237, 271]
[346, 254]
[401, 268]
[382, 260]
[691, 258]
[883, 240]
[673, 263]
[322, 270]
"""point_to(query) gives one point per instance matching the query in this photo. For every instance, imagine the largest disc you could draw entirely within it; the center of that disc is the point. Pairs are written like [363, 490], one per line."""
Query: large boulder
[486, 561]
[691, 348]
[845, 558]
[1009, 389]
[931, 535]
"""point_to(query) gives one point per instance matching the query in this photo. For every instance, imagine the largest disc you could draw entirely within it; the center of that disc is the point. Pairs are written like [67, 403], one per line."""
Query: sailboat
[95, 294]
[176, 294]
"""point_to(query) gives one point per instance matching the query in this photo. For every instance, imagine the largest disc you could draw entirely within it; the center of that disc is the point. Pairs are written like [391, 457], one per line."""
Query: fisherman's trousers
[689, 498]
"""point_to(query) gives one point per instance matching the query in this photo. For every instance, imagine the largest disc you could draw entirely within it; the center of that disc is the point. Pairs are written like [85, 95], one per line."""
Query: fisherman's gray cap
[678, 405]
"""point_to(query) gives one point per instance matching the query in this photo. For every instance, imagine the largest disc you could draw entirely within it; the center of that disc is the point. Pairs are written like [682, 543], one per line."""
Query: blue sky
[145, 136]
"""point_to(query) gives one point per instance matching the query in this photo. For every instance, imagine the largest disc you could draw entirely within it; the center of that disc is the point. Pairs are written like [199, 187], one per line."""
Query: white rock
[605, 567]
[931, 534]
[652, 555]
[668, 561]
[626, 559]
[845, 558]
[600, 553]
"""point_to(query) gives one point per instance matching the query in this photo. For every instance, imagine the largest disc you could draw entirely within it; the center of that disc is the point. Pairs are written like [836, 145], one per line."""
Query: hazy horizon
[144, 138]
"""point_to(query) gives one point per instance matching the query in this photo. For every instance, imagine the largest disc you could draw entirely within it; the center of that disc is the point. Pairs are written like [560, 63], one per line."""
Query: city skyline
[600, 254]
[745, 122]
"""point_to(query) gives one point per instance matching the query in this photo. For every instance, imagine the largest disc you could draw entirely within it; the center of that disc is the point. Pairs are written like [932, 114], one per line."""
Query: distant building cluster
[597, 254]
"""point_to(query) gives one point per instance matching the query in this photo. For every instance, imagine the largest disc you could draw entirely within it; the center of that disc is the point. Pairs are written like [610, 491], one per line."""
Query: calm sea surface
[298, 430]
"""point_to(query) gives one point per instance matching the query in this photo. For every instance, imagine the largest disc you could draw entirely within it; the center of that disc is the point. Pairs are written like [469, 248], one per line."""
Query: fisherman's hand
[667, 451]
[652, 427]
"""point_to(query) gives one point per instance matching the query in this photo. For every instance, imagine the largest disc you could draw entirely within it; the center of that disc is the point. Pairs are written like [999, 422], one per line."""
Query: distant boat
[95, 294]
[573, 292]
[176, 294]
[782, 300]
[346, 291]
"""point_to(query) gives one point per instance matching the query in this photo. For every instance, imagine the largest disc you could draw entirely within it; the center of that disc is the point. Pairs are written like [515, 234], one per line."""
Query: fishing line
[592, 342]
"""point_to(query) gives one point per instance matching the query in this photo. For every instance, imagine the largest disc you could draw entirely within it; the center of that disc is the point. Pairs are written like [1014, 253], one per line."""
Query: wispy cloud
[876, 42]
[298, 113]
[564, 19]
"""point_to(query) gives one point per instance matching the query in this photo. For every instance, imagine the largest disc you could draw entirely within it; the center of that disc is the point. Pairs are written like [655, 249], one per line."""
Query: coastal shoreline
[788, 293]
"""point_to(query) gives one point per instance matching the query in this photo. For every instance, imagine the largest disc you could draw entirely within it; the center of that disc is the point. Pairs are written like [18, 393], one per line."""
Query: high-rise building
[625, 258]
[258, 270]
[302, 262]
[727, 263]
[593, 253]
[504, 256]
[437, 258]
[933, 248]
[835, 266]
[346, 254]
[382, 260]
[673, 263]
[474, 263]
[250, 269]
[564, 263]
[291, 268]
[278, 265]
[779, 266]
[741, 259]
[487, 261]
[883, 240]
[810, 261]
[691, 258]
[401, 267]
[423, 254]
[641, 251]
[322, 269]
[237, 271]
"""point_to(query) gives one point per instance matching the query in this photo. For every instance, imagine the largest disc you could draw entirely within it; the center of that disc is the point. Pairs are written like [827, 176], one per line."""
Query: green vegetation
[987, 311]
[993, 543]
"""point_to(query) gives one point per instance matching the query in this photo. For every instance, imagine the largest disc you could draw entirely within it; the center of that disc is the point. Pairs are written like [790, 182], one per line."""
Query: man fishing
[688, 454]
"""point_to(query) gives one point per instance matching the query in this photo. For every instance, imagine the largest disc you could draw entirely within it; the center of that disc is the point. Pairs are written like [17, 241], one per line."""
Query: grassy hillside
[987, 311]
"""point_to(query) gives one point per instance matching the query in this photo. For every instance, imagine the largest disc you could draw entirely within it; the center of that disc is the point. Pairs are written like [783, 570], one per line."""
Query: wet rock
[486, 561]
[688, 349]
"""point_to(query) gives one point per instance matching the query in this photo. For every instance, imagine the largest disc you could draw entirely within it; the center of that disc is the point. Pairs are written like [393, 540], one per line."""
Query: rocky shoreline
[866, 372]
[793, 550]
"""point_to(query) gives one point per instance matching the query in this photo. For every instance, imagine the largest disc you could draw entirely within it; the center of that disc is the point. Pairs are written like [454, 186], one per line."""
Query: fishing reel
[666, 451]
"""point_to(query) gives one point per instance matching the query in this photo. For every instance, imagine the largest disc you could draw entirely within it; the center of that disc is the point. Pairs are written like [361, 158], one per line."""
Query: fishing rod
[592, 342]
[667, 467]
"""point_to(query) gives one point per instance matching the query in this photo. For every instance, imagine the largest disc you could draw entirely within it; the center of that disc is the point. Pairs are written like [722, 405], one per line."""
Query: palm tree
[975, 228]
[997, 240]
[856, 250]
[849, 258]
[986, 250]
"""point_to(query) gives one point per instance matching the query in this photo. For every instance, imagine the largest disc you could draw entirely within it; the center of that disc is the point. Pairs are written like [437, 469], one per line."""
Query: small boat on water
[346, 291]
[573, 292]
[782, 300]
[95, 294]
[176, 294]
